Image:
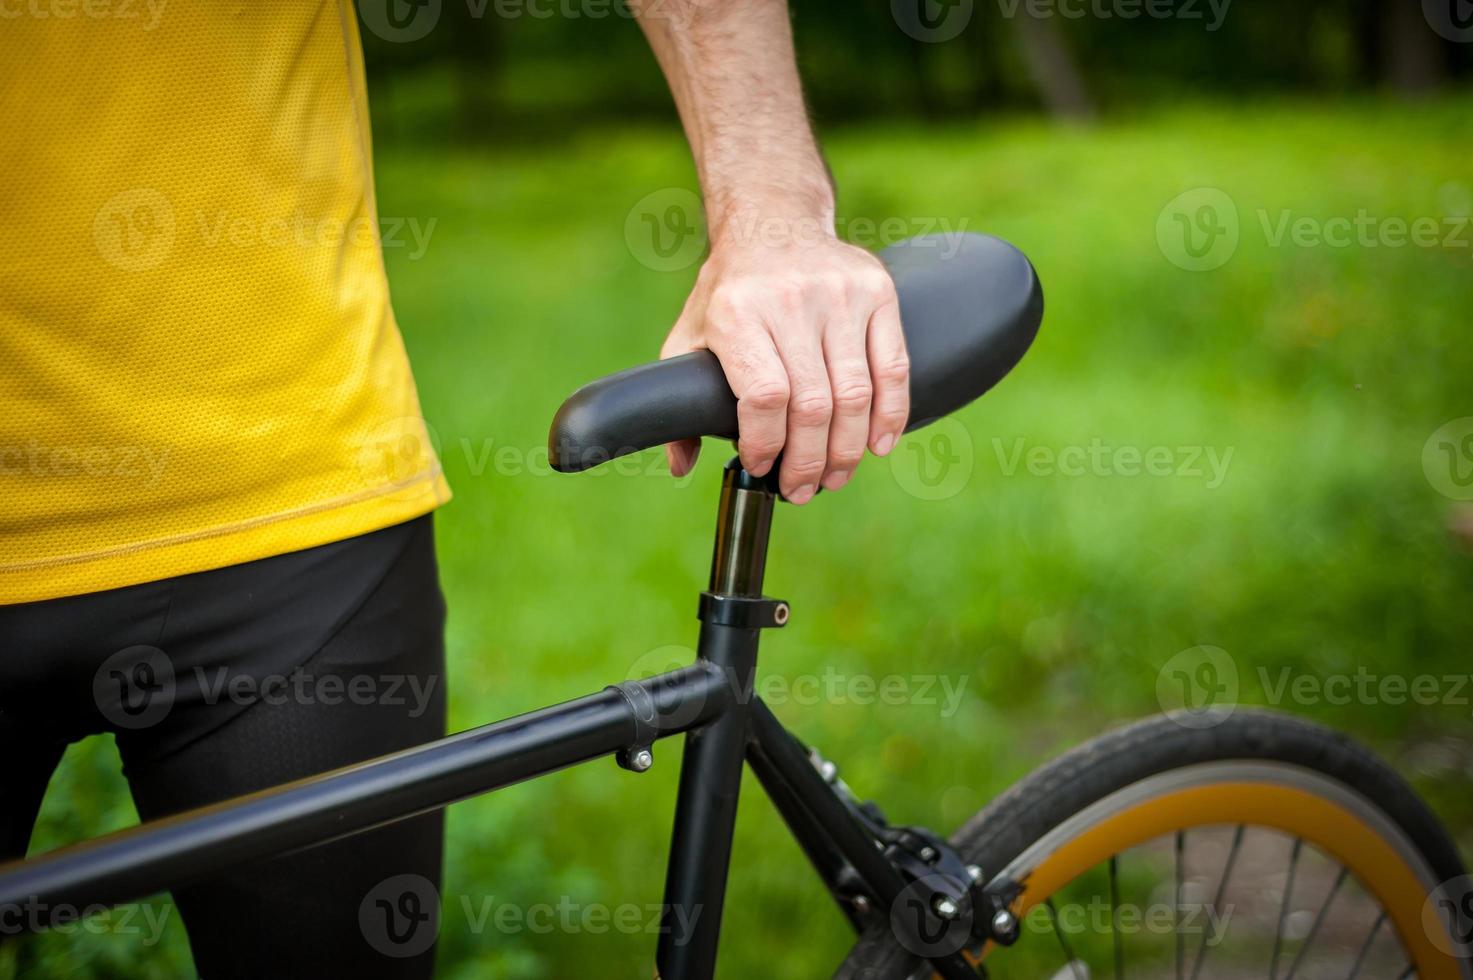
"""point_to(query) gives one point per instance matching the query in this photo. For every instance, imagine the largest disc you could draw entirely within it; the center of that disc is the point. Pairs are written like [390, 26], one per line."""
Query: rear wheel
[1242, 845]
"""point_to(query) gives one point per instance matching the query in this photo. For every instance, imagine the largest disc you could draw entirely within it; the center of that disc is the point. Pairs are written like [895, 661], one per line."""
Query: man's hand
[808, 332]
[806, 327]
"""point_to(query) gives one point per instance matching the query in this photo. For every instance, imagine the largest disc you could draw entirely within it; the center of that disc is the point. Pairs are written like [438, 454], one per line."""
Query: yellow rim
[1335, 830]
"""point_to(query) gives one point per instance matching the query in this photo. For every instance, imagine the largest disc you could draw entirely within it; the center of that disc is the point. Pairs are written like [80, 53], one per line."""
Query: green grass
[1051, 602]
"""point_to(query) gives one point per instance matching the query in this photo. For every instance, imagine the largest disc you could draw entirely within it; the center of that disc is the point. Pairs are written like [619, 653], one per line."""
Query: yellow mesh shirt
[198, 361]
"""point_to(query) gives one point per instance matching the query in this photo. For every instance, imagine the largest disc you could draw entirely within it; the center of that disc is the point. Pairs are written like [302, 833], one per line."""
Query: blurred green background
[1028, 594]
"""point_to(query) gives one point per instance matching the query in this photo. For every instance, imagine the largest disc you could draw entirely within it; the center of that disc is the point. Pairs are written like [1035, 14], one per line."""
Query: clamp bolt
[945, 908]
[1004, 925]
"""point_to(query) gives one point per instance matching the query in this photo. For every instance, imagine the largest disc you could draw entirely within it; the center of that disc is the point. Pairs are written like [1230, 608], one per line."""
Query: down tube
[705, 815]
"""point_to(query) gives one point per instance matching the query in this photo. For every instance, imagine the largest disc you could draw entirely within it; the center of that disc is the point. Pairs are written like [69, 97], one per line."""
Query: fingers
[682, 456]
[889, 369]
[810, 408]
[760, 381]
[849, 382]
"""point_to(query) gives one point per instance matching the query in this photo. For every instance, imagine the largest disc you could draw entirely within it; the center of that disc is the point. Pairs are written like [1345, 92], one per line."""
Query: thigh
[375, 685]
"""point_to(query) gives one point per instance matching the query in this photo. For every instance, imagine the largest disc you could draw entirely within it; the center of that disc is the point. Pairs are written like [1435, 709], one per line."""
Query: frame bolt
[642, 760]
[945, 908]
[928, 854]
[828, 770]
[1004, 925]
[974, 871]
[861, 904]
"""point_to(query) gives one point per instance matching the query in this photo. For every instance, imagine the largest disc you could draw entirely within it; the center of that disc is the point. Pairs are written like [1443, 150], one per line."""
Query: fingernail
[886, 443]
[802, 495]
[837, 479]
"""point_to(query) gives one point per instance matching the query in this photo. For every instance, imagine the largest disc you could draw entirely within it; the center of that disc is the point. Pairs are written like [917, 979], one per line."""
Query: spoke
[1115, 915]
[1365, 947]
[1319, 920]
[1273, 967]
[1181, 836]
[1069, 960]
[1227, 872]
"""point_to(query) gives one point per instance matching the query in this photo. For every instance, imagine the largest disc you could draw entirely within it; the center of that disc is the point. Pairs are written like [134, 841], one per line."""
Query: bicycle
[1251, 785]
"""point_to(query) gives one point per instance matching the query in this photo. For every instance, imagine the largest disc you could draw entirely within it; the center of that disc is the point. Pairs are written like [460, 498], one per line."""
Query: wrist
[790, 215]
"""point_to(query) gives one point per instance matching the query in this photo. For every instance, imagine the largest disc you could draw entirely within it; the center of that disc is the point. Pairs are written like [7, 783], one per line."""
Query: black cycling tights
[229, 681]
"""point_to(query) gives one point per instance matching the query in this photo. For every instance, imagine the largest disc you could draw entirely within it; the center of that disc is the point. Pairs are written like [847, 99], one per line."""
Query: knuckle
[806, 470]
[768, 395]
[813, 407]
[894, 369]
[852, 394]
[846, 458]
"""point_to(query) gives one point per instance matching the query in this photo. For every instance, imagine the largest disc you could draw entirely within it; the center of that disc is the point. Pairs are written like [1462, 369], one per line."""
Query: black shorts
[230, 681]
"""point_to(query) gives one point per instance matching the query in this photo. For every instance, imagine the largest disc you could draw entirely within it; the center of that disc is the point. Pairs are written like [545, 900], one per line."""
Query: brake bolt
[946, 908]
[1004, 925]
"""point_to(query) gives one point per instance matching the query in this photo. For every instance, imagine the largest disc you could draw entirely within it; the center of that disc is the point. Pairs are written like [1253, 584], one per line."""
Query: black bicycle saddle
[969, 304]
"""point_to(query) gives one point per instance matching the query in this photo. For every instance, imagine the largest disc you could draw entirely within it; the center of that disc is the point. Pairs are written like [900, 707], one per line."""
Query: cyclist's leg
[27, 769]
[369, 680]
[50, 653]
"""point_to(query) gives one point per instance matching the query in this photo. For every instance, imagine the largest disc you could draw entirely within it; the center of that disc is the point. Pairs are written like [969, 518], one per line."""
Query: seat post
[733, 613]
[743, 524]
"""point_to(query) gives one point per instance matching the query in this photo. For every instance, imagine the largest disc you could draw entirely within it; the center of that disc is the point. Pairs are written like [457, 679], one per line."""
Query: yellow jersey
[199, 365]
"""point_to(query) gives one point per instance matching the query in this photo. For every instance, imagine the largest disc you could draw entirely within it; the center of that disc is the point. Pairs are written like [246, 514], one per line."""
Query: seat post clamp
[743, 612]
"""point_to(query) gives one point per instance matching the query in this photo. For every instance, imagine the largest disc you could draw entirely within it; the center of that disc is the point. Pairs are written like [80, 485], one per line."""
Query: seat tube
[711, 767]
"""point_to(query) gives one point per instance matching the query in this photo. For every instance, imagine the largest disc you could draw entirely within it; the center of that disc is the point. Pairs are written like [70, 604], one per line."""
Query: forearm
[731, 68]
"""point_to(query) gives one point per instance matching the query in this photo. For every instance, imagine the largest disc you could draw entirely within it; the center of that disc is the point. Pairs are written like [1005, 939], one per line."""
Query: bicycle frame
[711, 702]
